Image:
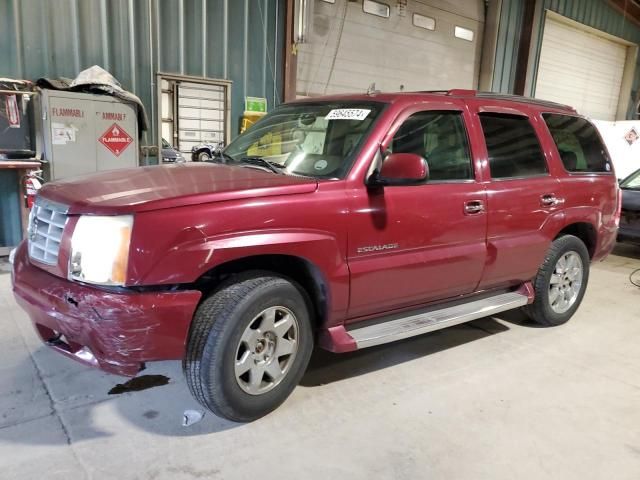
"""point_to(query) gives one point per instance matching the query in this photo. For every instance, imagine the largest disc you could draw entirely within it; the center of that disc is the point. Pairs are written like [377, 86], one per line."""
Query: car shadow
[326, 367]
[78, 403]
[77, 397]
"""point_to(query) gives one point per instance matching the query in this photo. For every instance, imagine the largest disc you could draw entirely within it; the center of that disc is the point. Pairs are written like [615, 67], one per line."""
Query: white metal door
[581, 69]
[201, 114]
[193, 111]
[422, 45]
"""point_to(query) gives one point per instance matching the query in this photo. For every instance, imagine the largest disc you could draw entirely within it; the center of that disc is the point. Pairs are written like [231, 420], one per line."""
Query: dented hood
[167, 186]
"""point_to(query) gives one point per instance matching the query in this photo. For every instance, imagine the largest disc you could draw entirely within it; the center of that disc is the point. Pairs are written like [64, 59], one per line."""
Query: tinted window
[514, 150]
[441, 139]
[578, 143]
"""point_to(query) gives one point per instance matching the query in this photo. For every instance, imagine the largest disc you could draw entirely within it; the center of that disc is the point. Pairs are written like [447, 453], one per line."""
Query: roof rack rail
[462, 92]
[458, 92]
[521, 99]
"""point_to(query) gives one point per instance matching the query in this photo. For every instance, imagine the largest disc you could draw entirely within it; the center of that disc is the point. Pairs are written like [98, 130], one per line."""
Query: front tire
[249, 345]
[560, 283]
[204, 156]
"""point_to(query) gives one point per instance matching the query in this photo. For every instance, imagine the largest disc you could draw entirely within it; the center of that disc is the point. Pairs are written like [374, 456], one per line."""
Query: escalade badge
[377, 248]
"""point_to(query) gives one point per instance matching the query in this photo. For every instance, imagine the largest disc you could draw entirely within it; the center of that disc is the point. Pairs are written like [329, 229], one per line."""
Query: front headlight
[100, 249]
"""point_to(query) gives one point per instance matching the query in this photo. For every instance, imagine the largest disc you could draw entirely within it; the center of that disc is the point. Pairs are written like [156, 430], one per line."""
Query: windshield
[632, 181]
[165, 144]
[311, 139]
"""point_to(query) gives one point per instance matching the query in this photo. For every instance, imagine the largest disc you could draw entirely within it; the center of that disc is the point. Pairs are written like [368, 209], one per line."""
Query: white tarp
[623, 142]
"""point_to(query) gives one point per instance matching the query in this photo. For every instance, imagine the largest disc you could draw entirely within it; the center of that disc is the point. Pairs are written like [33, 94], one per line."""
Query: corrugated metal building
[236, 40]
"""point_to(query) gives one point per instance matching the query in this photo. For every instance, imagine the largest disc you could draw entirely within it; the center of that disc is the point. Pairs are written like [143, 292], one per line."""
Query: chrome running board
[427, 321]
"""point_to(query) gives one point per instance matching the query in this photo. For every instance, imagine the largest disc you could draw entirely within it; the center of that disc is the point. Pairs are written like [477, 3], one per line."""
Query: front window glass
[311, 139]
[632, 181]
[440, 138]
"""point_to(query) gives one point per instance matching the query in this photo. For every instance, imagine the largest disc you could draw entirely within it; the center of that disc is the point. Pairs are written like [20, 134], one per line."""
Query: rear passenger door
[521, 196]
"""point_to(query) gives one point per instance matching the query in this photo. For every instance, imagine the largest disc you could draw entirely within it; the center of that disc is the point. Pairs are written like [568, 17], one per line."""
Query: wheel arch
[206, 150]
[298, 269]
[585, 231]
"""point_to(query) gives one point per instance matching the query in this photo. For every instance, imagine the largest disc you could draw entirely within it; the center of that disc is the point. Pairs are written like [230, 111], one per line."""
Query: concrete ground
[495, 399]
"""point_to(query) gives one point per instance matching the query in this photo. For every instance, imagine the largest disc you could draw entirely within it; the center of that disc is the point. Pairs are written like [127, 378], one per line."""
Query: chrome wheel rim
[266, 350]
[566, 282]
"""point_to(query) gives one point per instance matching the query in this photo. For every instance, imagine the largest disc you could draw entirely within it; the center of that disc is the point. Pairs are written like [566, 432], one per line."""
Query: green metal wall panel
[10, 229]
[594, 13]
[238, 40]
[508, 42]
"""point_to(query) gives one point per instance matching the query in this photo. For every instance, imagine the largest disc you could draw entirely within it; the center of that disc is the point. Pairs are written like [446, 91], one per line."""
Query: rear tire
[560, 283]
[249, 345]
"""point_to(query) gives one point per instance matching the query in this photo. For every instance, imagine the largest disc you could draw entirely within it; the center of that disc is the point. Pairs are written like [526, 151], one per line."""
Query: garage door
[580, 69]
[411, 45]
[193, 112]
[201, 114]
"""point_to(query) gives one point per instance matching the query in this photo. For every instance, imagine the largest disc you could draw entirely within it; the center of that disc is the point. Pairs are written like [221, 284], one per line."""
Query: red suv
[345, 221]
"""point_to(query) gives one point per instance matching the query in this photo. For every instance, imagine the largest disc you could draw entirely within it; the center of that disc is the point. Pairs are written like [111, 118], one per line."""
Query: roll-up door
[581, 69]
[193, 112]
[201, 114]
[415, 45]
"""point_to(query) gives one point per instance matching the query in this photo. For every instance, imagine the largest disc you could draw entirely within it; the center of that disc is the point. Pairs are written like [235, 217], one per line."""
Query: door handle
[550, 200]
[473, 207]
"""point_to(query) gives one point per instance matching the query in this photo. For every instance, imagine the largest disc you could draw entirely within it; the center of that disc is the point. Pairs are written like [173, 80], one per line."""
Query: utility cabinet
[86, 133]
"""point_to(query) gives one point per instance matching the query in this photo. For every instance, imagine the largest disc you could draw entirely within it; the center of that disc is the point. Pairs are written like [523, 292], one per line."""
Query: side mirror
[401, 169]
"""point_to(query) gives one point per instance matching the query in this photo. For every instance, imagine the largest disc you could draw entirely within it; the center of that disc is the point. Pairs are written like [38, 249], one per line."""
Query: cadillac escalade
[344, 222]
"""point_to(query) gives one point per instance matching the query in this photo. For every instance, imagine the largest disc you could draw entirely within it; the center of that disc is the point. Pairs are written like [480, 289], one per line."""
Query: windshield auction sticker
[347, 114]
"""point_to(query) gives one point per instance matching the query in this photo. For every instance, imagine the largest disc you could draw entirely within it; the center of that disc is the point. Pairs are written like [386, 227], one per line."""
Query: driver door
[410, 245]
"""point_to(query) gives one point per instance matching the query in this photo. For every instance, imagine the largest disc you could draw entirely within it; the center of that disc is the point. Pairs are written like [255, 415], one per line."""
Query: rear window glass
[578, 142]
[513, 147]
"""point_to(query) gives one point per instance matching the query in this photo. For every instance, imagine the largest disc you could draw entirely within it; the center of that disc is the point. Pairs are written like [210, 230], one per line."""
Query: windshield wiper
[225, 157]
[261, 162]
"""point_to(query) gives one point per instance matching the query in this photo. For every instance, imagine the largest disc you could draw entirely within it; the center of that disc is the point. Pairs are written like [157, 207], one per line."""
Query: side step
[418, 323]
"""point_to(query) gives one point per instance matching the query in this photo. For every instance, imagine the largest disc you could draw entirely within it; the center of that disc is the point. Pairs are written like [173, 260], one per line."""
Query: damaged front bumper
[114, 331]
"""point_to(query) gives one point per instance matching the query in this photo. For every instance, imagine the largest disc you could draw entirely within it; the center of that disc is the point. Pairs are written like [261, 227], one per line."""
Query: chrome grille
[46, 224]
